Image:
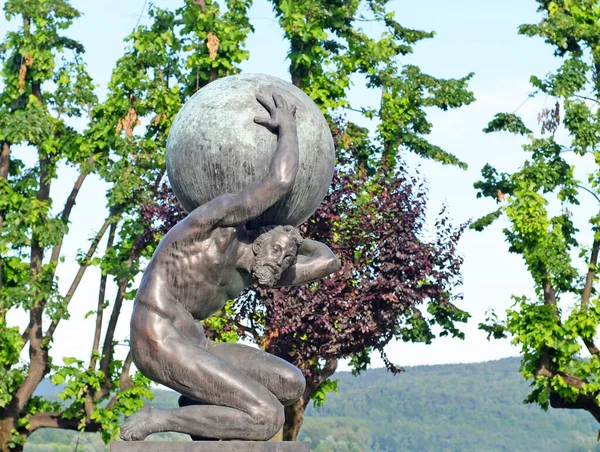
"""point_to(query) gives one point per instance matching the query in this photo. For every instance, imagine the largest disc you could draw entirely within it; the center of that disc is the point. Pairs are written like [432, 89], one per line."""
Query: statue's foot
[141, 424]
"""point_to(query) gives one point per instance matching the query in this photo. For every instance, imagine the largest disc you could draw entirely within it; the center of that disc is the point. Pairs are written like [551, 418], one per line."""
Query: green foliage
[218, 327]
[46, 85]
[552, 337]
[127, 402]
[321, 392]
[360, 361]
[507, 122]
[47, 90]
[328, 46]
[483, 222]
[35, 57]
[493, 326]
[445, 315]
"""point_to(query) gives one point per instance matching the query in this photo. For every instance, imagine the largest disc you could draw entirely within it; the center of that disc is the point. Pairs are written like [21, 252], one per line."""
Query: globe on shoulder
[215, 147]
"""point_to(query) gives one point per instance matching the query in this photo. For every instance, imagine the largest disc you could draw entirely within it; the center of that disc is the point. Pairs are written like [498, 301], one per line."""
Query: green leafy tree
[557, 337]
[327, 48]
[46, 85]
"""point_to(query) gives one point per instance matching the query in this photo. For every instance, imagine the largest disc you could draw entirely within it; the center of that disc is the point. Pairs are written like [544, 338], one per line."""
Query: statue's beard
[265, 272]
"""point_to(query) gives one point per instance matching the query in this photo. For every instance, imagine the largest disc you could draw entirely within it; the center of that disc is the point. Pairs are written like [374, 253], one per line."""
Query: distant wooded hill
[457, 407]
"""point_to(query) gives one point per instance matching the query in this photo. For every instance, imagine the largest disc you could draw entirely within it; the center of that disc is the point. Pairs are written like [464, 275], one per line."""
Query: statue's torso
[196, 268]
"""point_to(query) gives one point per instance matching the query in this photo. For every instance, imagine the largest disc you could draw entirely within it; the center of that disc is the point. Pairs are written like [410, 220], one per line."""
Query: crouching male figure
[229, 391]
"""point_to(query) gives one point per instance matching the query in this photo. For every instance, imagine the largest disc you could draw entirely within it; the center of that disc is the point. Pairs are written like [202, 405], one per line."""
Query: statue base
[209, 446]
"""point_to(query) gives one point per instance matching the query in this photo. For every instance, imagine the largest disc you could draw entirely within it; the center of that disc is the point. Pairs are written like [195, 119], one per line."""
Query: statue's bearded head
[275, 250]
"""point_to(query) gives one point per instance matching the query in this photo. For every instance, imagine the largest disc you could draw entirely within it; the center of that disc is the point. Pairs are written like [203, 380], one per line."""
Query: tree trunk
[4, 167]
[296, 71]
[294, 416]
[7, 425]
[294, 413]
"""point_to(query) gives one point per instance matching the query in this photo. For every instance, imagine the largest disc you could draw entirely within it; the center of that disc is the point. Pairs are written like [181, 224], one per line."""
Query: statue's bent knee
[269, 419]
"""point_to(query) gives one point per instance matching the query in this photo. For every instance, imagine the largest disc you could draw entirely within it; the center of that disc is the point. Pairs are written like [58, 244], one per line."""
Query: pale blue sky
[477, 36]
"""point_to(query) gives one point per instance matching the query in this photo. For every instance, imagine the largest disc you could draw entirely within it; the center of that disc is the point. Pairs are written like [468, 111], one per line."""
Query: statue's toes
[125, 434]
[130, 431]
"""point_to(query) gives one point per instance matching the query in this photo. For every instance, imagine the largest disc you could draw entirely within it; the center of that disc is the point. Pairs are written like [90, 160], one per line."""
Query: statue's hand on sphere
[215, 146]
[282, 114]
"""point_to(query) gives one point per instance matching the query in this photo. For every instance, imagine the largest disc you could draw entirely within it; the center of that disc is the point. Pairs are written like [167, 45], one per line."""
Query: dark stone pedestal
[209, 446]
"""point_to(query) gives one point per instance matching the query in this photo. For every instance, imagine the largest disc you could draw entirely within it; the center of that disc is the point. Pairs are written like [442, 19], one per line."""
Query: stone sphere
[215, 147]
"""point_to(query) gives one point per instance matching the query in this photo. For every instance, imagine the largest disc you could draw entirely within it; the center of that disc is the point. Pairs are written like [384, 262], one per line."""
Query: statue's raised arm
[235, 210]
[314, 261]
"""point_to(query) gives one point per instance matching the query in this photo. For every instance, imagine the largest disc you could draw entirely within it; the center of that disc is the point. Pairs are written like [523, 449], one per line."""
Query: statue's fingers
[279, 101]
[265, 122]
[265, 103]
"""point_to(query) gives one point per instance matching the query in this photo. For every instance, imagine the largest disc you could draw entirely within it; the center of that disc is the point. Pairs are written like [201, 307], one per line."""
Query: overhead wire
[141, 14]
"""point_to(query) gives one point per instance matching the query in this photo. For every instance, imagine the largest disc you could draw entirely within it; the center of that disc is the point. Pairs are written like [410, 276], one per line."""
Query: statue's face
[276, 253]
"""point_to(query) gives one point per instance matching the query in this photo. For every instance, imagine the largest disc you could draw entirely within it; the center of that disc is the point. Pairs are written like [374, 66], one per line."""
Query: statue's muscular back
[195, 267]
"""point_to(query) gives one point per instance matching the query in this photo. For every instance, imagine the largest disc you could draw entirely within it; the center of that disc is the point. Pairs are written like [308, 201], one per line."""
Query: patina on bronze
[229, 391]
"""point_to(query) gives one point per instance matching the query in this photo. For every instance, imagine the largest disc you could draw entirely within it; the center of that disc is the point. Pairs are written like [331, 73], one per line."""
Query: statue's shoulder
[186, 232]
[209, 216]
[200, 229]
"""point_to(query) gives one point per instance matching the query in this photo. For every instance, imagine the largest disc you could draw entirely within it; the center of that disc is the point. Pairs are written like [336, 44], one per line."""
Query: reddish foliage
[388, 269]
[158, 216]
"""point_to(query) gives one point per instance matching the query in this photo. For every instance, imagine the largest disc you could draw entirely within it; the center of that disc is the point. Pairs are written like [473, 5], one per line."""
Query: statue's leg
[283, 379]
[234, 406]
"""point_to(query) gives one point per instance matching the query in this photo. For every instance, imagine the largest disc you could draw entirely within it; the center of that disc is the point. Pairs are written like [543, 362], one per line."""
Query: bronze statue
[229, 391]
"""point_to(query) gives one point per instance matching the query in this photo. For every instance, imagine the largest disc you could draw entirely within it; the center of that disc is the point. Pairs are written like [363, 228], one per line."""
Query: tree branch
[311, 386]
[544, 371]
[55, 420]
[101, 297]
[248, 330]
[36, 90]
[25, 333]
[591, 346]
[544, 367]
[66, 213]
[549, 294]
[587, 292]
[90, 392]
[108, 346]
[125, 381]
[587, 289]
[587, 403]
[579, 96]
[82, 268]
[156, 185]
[590, 192]
[353, 109]
[4, 167]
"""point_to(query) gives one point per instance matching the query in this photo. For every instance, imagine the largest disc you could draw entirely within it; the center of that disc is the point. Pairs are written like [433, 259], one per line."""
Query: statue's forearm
[284, 165]
[315, 261]
[230, 210]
